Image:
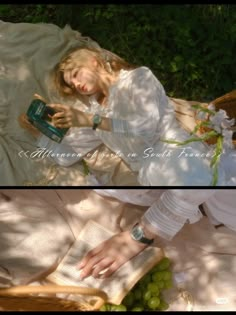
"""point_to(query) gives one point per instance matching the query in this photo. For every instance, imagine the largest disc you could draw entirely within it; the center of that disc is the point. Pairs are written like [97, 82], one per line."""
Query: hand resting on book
[110, 255]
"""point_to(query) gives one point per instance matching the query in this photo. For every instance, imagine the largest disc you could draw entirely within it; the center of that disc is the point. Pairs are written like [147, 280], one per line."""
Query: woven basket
[226, 102]
[22, 298]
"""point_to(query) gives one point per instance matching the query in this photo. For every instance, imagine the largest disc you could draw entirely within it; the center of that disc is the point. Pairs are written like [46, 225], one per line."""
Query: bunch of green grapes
[147, 293]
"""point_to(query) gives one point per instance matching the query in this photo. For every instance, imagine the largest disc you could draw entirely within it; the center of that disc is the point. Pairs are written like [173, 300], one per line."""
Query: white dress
[142, 117]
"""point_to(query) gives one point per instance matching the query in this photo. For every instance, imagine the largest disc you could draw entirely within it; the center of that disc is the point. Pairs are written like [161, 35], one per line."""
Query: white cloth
[170, 209]
[34, 233]
[141, 197]
[222, 207]
[142, 115]
[228, 163]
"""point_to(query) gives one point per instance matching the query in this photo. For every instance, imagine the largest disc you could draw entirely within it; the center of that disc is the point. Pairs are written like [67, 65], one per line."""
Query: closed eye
[75, 74]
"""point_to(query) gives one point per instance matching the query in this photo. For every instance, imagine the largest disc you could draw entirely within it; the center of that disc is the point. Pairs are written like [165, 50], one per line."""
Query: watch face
[137, 233]
[97, 119]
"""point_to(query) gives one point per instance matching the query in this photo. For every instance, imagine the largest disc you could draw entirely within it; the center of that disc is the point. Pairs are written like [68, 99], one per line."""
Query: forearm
[86, 120]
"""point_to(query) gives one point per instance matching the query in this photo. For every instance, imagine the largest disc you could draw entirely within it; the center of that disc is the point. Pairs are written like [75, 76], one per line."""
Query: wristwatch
[97, 119]
[137, 234]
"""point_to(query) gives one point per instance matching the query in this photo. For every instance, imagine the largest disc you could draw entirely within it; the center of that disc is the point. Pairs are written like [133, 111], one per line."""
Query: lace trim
[170, 214]
[155, 229]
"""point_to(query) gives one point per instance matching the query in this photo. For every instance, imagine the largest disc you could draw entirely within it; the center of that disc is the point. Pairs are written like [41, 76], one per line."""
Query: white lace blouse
[142, 117]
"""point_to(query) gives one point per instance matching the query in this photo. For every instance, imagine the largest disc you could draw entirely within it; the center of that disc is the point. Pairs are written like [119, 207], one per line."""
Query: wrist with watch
[138, 234]
[97, 119]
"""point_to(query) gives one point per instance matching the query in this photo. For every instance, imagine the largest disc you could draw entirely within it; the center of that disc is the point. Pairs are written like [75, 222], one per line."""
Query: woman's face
[83, 79]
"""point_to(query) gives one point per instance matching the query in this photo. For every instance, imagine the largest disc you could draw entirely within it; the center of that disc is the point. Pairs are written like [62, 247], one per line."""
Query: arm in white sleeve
[147, 99]
[62, 154]
[74, 146]
[173, 209]
[141, 197]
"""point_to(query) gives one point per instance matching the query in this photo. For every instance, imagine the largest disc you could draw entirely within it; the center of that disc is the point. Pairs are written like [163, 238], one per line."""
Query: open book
[117, 285]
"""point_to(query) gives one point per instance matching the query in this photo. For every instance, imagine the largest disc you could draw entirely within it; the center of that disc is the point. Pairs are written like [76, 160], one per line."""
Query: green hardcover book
[39, 115]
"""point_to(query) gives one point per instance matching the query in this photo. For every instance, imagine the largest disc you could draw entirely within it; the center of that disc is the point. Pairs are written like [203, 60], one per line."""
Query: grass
[190, 48]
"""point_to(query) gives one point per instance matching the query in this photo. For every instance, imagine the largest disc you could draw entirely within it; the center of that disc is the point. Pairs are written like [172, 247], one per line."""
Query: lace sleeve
[148, 99]
[167, 216]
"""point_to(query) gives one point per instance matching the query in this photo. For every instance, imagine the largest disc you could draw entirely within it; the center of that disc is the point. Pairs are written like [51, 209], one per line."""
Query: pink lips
[82, 88]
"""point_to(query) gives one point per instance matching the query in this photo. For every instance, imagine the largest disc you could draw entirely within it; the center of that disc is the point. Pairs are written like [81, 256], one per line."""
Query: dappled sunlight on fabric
[23, 73]
[92, 206]
[201, 267]
[185, 166]
[28, 227]
[170, 173]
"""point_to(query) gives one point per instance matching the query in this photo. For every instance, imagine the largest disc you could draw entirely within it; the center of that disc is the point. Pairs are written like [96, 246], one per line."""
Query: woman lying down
[194, 227]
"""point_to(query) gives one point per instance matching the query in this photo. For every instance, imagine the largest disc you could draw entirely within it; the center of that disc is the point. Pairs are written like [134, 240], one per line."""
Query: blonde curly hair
[78, 57]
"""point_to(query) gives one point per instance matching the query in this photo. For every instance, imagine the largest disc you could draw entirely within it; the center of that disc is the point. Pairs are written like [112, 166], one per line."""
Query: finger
[40, 97]
[102, 267]
[59, 115]
[22, 117]
[63, 123]
[58, 107]
[24, 121]
[63, 126]
[61, 120]
[112, 269]
[90, 254]
[88, 268]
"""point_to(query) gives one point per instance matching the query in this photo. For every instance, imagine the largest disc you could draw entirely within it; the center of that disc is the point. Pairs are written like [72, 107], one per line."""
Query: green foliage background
[190, 48]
